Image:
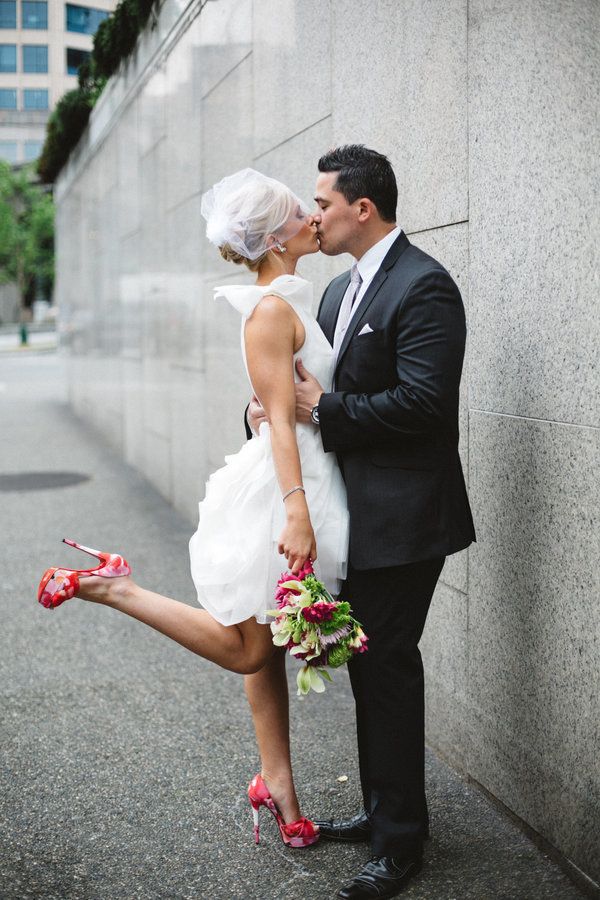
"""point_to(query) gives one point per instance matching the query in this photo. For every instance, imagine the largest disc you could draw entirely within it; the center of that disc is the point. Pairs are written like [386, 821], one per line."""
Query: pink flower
[359, 645]
[307, 569]
[321, 611]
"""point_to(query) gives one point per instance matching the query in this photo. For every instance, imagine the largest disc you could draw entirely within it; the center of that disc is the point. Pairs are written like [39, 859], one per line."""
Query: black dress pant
[388, 687]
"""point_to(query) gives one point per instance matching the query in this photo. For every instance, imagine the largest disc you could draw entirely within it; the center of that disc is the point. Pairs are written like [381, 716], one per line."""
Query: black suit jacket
[393, 418]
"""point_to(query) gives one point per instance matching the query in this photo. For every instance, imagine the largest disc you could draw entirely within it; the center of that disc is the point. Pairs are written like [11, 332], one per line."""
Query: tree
[26, 234]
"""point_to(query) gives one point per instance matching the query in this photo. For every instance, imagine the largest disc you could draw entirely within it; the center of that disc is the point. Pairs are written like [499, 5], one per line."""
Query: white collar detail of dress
[244, 297]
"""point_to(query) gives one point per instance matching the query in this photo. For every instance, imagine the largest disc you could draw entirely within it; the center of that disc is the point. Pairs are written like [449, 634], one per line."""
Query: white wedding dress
[234, 559]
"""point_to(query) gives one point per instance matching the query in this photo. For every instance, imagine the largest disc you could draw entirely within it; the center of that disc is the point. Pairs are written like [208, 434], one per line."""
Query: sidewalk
[37, 340]
[126, 758]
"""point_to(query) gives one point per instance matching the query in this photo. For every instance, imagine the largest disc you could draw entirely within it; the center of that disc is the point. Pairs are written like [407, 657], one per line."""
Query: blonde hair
[231, 255]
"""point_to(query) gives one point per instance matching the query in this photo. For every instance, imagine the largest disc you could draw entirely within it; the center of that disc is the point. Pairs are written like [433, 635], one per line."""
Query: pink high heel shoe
[302, 833]
[58, 585]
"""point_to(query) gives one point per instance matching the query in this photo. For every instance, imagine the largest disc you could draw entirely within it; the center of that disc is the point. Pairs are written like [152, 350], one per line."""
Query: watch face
[314, 414]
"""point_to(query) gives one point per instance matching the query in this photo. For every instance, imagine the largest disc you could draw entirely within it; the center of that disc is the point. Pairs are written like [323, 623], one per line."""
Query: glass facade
[34, 14]
[8, 98]
[84, 19]
[8, 151]
[8, 57]
[35, 58]
[35, 99]
[75, 58]
[8, 14]
[32, 150]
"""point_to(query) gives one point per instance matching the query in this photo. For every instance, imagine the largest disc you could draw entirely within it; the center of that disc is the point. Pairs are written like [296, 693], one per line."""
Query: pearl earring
[280, 247]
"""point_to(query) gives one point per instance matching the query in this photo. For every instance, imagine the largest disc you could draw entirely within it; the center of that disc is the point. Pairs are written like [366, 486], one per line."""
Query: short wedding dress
[234, 558]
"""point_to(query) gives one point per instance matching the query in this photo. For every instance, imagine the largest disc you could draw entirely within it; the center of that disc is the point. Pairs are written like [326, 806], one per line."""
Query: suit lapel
[391, 258]
[330, 310]
[380, 277]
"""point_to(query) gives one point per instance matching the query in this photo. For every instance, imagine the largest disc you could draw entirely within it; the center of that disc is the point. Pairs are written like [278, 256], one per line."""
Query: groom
[397, 324]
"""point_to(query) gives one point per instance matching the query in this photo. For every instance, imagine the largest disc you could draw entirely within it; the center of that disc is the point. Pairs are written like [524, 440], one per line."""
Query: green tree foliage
[65, 127]
[26, 234]
[114, 40]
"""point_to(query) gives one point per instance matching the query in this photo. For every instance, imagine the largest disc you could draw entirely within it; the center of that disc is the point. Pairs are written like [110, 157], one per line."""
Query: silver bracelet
[293, 491]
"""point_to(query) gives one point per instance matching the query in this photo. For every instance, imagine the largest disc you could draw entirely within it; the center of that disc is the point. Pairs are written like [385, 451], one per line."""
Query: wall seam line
[291, 137]
[492, 412]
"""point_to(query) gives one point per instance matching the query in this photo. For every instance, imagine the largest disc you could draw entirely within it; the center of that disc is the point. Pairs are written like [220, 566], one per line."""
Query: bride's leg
[267, 694]
[242, 648]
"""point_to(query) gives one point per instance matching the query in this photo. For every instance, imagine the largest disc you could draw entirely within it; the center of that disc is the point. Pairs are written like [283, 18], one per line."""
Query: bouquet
[314, 627]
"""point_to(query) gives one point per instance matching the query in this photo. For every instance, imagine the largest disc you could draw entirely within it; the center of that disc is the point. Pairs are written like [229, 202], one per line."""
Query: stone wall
[488, 110]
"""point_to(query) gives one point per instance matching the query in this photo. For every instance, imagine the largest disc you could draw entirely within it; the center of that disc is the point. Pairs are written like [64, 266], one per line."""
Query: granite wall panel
[534, 193]
[291, 69]
[227, 125]
[445, 651]
[223, 36]
[399, 85]
[534, 624]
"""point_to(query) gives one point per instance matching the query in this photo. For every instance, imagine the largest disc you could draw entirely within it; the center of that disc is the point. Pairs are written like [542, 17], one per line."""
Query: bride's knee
[252, 662]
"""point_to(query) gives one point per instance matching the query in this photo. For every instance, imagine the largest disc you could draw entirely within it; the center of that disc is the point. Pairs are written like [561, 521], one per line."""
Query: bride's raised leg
[242, 648]
[267, 694]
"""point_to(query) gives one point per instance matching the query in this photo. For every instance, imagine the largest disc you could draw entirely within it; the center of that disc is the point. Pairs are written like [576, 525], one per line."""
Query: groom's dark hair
[363, 173]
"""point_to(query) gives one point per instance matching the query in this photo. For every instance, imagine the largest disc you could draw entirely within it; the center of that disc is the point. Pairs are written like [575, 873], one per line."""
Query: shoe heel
[84, 549]
[255, 810]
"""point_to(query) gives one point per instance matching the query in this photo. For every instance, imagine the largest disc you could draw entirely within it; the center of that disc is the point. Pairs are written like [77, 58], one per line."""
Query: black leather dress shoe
[358, 828]
[383, 876]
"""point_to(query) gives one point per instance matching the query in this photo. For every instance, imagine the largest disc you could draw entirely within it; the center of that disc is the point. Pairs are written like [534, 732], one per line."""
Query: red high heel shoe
[58, 585]
[302, 833]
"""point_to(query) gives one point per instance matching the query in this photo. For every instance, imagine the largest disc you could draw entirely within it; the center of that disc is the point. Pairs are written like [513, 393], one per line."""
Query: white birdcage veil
[251, 213]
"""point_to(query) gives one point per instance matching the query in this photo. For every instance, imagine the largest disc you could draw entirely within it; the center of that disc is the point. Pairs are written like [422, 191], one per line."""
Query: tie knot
[355, 275]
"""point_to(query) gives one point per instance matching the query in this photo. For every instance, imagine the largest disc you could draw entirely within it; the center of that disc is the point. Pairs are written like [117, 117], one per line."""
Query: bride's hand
[297, 542]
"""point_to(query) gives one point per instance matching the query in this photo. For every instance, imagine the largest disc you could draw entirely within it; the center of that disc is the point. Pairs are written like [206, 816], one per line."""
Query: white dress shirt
[371, 261]
[367, 266]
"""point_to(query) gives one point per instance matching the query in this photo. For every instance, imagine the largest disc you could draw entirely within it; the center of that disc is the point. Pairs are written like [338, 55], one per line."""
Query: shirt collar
[371, 260]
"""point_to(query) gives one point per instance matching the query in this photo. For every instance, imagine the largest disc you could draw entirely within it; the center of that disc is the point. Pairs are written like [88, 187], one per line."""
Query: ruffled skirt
[234, 560]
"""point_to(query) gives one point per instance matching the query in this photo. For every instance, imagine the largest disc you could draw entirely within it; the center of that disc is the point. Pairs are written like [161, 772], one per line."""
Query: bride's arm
[269, 337]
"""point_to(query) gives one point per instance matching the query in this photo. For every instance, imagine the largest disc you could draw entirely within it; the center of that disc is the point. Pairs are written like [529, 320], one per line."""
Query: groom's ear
[366, 209]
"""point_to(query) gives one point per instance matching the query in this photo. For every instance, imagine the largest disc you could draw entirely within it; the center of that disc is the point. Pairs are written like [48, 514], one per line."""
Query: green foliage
[338, 656]
[26, 233]
[114, 40]
[65, 126]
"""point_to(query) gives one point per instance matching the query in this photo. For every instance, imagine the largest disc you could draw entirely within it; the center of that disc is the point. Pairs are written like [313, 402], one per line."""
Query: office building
[42, 44]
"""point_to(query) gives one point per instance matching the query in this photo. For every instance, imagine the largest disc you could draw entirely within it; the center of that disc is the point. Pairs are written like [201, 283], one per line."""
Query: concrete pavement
[125, 758]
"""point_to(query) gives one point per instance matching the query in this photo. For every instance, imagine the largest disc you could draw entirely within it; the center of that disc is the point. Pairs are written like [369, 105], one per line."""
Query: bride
[281, 495]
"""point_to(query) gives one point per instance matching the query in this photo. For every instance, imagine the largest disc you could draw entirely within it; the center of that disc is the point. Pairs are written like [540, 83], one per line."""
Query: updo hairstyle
[231, 255]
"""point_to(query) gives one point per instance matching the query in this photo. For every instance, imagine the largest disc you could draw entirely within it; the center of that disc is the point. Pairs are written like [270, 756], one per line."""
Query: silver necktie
[346, 309]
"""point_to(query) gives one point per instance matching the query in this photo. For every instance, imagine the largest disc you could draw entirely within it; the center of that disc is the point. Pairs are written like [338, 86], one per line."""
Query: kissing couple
[351, 463]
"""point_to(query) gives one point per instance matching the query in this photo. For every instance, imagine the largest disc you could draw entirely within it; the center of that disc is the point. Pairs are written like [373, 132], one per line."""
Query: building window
[32, 150]
[8, 98]
[8, 151]
[34, 14]
[8, 57]
[75, 58]
[35, 58]
[8, 13]
[35, 99]
[84, 19]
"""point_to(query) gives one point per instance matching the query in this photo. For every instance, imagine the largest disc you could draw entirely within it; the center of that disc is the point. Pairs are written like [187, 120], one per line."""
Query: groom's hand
[308, 393]
[256, 414]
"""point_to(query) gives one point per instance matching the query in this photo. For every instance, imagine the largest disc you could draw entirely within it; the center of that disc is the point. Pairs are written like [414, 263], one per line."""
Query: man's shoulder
[414, 266]
[338, 281]
[417, 262]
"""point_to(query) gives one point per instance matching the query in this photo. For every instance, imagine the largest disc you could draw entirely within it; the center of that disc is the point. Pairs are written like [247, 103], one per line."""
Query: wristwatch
[314, 415]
